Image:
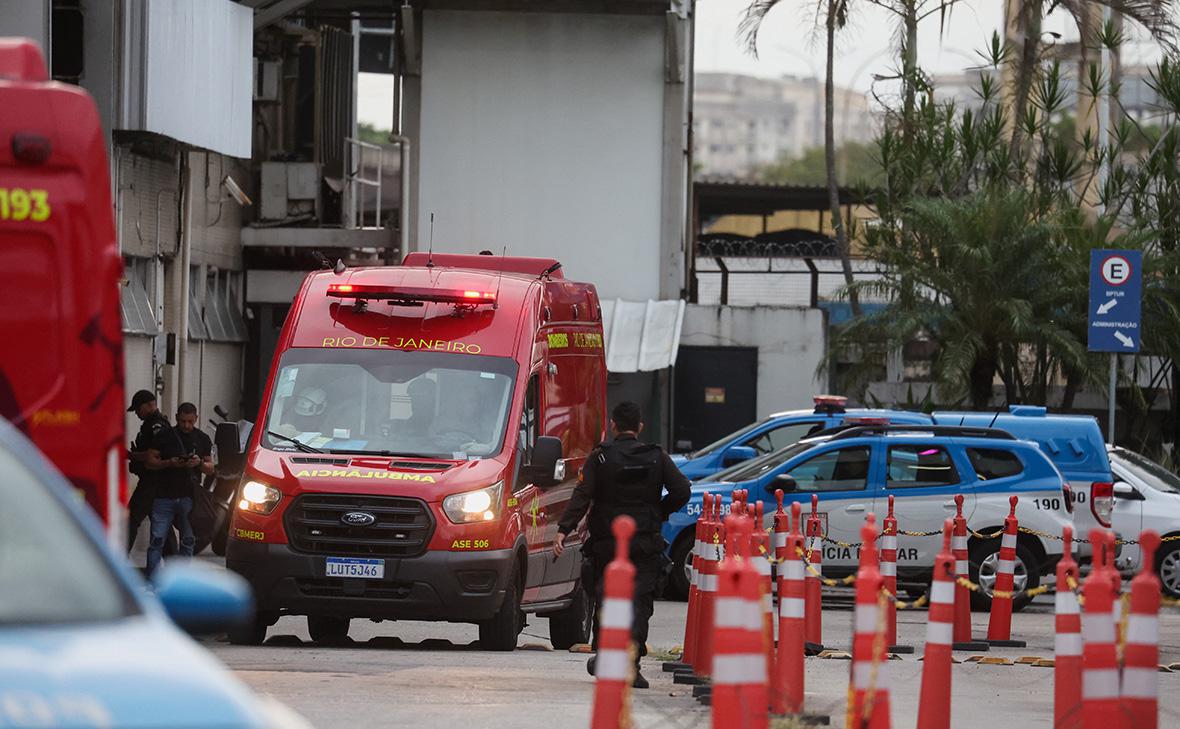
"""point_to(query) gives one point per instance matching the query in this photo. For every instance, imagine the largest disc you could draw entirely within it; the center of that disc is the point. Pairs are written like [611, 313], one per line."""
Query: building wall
[791, 344]
[26, 19]
[543, 133]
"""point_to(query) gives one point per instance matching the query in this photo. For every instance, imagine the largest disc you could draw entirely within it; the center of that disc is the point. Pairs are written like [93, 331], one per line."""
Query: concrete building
[172, 81]
[741, 123]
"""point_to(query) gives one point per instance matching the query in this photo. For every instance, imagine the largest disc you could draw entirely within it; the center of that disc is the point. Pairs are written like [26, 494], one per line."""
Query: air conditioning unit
[266, 80]
[290, 190]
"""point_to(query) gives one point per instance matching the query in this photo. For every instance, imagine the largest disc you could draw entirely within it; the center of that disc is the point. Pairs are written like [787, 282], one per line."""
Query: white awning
[641, 336]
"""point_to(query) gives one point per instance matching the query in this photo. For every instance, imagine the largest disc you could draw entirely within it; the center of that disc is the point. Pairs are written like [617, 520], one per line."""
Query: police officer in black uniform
[139, 506]
[628, 477]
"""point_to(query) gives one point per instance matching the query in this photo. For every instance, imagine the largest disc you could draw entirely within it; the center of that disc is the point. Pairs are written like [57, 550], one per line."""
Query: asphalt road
[413, 674]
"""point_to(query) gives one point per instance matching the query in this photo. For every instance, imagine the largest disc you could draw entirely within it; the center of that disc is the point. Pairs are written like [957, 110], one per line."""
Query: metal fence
[774, 280]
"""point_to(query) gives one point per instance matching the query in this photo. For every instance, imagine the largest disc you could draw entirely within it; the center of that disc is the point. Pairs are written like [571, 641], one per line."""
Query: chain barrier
[919, 534]
[827, 581]
[1002, 594]
[901, 604]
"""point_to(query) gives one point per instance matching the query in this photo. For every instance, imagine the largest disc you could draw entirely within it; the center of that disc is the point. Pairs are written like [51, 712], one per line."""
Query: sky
[789, 45]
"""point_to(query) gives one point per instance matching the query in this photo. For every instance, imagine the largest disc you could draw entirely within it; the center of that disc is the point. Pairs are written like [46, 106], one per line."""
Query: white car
[1147, 496]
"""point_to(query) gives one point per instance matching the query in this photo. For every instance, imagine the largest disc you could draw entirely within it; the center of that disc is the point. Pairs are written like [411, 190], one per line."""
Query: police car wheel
[984, 560]
[327, 628]
[499, 633]
[574, 624]
[677, 588]
[1168, 566]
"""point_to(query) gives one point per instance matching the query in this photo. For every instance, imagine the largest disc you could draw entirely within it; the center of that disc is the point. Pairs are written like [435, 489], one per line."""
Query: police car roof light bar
[829, 403]
[942, 430]
[412, 294]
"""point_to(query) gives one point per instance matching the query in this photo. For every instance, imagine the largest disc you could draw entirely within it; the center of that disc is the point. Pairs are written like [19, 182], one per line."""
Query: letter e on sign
[1116, 270]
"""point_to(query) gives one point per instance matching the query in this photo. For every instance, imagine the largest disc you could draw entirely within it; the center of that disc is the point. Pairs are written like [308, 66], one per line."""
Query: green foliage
[371, 134]
[986, 220]
[856, 164]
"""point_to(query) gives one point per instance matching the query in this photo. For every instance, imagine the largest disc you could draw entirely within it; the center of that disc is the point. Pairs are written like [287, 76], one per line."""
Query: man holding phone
[180, 454]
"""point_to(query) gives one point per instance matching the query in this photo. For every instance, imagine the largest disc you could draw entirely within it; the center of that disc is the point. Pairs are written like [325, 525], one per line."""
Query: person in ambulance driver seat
[181, 454]
[625, 476]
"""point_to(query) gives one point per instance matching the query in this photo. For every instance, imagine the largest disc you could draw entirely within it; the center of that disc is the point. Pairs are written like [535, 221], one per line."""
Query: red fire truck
[420, 437]
[61, 361]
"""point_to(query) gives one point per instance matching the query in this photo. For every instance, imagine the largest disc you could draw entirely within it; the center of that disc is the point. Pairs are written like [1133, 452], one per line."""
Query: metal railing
[353, 200]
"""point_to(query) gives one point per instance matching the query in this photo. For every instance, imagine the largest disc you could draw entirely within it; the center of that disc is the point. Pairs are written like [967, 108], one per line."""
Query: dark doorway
[716, 393]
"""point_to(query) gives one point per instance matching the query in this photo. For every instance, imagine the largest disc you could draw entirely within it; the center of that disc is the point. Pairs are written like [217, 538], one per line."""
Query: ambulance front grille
[403, 526]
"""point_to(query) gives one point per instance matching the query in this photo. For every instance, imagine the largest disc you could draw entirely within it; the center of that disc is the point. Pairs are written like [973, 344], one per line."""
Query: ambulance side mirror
[547, 454]
[227, 438]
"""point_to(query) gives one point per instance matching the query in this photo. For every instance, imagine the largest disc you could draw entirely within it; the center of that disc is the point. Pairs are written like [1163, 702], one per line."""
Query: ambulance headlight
[474, 506]
[259, 498]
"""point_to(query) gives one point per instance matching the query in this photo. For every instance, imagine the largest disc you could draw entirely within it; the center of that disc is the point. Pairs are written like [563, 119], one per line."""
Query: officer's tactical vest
[627, 483]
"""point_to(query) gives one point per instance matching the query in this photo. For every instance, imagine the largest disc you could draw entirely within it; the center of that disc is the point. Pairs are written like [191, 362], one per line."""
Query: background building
[741, 123]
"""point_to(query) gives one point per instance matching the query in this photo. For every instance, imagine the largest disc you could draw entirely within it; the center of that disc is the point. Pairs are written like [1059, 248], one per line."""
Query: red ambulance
[420, 437]
[61, 362]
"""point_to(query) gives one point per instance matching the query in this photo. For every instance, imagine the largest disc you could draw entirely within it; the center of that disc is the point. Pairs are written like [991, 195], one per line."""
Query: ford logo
[358, 518]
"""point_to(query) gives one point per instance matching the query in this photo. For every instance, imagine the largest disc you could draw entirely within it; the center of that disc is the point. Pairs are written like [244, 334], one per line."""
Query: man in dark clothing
[139, 506]
[625, 477]
[180, 455]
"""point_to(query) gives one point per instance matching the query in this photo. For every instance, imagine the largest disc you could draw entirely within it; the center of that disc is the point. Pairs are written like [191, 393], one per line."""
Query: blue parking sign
[1116, 290]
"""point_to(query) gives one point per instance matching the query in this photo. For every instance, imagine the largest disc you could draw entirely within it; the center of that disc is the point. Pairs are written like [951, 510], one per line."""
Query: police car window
[920, 465]
[1148, 471]
[845, 469]
[730, 438]
[49, 571]
[782, 436]
[993, 463]
[752, 469]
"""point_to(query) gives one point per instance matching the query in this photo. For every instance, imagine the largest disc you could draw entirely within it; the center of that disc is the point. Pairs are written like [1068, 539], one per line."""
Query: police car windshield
[732, 437]
[50, 572]
[1148, 471]
[752, 469]
[383, 402]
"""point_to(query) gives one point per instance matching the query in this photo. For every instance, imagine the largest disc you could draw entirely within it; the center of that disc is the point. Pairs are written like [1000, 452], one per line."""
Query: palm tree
[835, 15]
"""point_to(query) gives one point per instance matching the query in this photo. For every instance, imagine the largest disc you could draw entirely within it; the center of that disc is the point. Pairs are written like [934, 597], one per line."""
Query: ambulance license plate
[373, 569]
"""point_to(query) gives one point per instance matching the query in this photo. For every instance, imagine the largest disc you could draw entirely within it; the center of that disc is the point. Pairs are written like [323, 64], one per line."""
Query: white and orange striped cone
[868, 707]
[1141, 654]
[691, 626]
[1067, 660]
[889, 579]
[999, 625]
[788, 680]
[934, 702]
[1100, 663]
[702, 662]
[813, 621]
[963, 640]
[614, 666]
[740, 695]
[760, 557]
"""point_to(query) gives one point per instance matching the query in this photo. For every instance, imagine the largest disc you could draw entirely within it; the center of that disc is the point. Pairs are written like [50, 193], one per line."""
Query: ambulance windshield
[390, 402]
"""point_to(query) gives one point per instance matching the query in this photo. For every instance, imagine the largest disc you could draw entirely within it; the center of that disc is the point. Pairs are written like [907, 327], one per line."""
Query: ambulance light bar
[411, 294]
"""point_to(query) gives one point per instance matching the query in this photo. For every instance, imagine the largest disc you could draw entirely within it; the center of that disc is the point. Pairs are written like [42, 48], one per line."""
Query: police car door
[923, 477]
[839, 474]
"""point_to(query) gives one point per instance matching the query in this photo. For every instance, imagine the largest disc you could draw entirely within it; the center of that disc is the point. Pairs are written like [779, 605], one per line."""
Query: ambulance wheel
[677, 588]
[983, 563]
[328, 629]
[500, 632]
[250, 633]
[574, 624]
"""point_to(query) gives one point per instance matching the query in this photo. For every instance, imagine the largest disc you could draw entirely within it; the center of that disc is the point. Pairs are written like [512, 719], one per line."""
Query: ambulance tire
[252, 632]
[980, 551]
[499, 633]
[328, 629]
[677, 588]
[572, 625]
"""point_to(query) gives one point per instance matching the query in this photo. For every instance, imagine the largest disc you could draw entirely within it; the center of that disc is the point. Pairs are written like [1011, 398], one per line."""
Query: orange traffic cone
[1100, 663]
[691, 626]
[869, 707]
[963, 641]
[760, 559]
[740, 697]
[889, 578]
[787, 693]
[1141, 655]
[934, 703]
[999, 625]
[813, 620]
[614, 668]
[1067, 661]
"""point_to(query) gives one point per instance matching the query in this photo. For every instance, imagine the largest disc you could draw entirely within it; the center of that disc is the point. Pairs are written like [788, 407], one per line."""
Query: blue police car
[854, 470]
[780, 430]
[83, 643]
